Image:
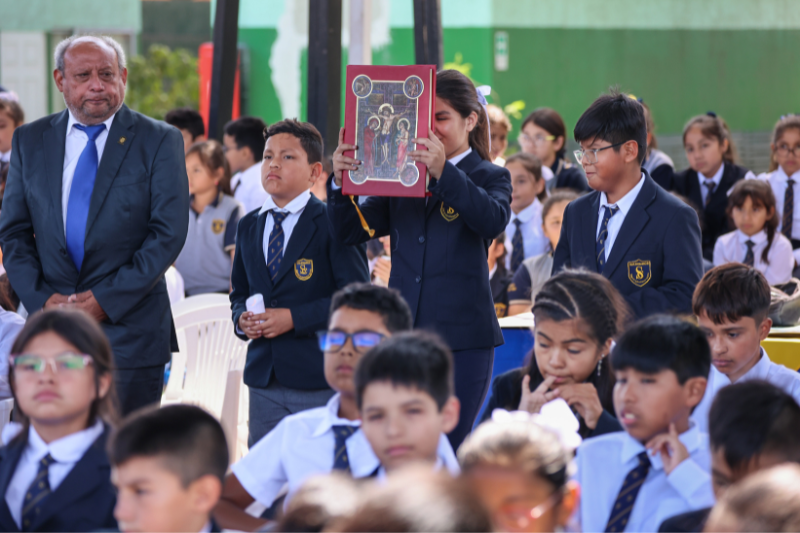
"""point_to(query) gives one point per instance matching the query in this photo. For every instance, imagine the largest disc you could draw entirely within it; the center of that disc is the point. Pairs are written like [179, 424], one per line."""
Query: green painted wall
[261, 98]
[44, 15]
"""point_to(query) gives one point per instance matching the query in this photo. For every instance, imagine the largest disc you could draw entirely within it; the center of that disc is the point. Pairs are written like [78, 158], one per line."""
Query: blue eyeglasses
[363, 341]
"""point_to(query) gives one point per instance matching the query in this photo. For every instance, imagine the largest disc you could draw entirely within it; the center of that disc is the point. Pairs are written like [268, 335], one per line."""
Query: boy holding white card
[285, 253]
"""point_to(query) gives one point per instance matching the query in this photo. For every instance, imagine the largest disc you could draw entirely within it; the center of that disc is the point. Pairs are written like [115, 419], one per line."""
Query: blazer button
[274, 303]
[418, 279]
[421, 239]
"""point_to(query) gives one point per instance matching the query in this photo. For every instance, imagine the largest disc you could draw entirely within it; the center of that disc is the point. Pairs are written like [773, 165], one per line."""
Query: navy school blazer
[656, 260]
[439, 248]
[715, 220]
[84, 501]
[314, 266]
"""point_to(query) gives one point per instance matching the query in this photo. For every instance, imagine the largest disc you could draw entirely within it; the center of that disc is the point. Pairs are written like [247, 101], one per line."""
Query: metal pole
[226, 29]
[428, 33]
[360, 51]
[325, 69]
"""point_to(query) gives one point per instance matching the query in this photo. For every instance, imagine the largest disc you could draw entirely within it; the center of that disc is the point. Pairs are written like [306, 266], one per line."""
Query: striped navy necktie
[623, 505]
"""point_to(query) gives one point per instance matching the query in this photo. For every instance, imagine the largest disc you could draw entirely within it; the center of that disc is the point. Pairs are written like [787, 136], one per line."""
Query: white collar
[72, 121]
[528, 213]
[250, 169]
[692, 438]
[492, 271]
[455, 160]
[716, 178]
[758, 238]
[331, 417]
[780, 174]
[206, 528]
[295, 206]
[381, 477]
[759, 371]
[67, 449]
[5, 156]
[626, 202]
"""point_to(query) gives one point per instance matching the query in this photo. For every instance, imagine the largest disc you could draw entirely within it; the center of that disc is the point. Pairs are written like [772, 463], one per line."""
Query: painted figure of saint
[401, 140]
[386, 112]
[371, 150]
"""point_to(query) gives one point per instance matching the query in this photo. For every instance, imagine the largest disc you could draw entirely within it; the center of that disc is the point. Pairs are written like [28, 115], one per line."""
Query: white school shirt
[301, 446]
[453, 469]
[716, 178]
[10, 326]
[604, 462]
[731, 248]
[778, 180]
[73, 148]
[294, 208]
[66, 451]
[780, 376]
[615, 223]
[5, 157]
[248, 189]
[533, 239]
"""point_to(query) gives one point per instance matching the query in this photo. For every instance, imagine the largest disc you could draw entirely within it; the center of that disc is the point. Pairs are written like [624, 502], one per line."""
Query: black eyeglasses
[363, 341]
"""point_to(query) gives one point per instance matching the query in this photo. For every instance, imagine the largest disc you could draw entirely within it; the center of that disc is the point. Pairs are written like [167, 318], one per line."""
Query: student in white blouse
[755, 242]
[524, 235]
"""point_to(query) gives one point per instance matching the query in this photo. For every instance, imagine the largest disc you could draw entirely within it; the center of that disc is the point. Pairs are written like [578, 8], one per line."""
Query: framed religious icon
[385, 108]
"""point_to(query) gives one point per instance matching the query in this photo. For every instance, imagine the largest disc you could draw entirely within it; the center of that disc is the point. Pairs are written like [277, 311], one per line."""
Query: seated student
[318, 441]
[628, 228]
[499, 128]
[524, 236]
[10, 326]
[11, 118]
[168, 466]
[206, 258]
[520, 470]
[244, 141]
[711, 174]
[751, 206]
[661, 365]
[404, 393]
[190, 124]
[731, 304]
[544, 135]
[577, 315]
[752, 426]
[286, 253]
[499, 278]
[766, 501]
[535, 271]
[55, 475]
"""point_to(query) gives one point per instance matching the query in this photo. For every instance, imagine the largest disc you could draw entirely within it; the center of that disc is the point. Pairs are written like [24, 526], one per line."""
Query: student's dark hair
[501, 261]
[386, 302]
[787, 122]
[12, 108]
[212, 156]
[309, 137]
[651, 126]
[614, 118]
[556, 197]
[249, 132]
[414, 359]
[190, 441]
[533, 165]
[663, 342]
[760, 193]
[185, 118]
[551, 122]
[732, 291]
[753, 418]
[8, 297]
[460, 93]
[80, 330]
[713, 127]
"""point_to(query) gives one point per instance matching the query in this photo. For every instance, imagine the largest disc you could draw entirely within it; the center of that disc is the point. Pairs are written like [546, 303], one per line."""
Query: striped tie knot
[710, 185]
[517, 246]
[341, 433]
[623, 505]
[278, 217]
[600, 247]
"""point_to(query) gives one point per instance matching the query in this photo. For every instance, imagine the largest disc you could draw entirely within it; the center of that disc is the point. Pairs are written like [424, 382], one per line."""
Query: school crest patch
[501, 310]
[448, 213]
[303, 269]
[217, 226]
[639, 272]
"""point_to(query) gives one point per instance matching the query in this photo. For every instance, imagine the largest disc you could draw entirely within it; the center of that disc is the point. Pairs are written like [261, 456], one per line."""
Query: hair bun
[711, 114]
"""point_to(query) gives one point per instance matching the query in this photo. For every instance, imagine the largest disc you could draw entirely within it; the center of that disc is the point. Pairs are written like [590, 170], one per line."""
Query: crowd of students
[647, 402]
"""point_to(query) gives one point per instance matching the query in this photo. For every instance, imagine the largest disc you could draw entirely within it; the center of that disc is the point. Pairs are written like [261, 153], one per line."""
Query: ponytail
[460, 93]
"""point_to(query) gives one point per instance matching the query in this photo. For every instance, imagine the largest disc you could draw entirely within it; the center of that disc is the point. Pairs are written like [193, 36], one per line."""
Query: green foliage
[162, 80]
[459, 65]
[515, 109]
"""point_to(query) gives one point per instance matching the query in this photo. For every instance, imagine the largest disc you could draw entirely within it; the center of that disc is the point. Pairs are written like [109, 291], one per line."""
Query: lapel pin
[122, 140]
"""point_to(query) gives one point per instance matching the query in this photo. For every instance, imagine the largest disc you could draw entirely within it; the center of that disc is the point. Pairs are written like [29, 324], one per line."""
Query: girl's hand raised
[533, 401]
[434, 157]
[340, 161]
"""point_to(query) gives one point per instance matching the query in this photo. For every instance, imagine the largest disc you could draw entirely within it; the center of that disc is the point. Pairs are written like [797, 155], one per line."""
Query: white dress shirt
[615, 223]
[785, 379]
[716, 178]
[76, 142]
[5, 157]
[10, 325]
[294, 209]
[66, 451]
[533, 239]
[778, 181]
[731, 247]
[301, 446]
[247, 188]
[604, 462]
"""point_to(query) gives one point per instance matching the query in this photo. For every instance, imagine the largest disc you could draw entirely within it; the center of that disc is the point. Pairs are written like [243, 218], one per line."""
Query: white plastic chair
[207, 369]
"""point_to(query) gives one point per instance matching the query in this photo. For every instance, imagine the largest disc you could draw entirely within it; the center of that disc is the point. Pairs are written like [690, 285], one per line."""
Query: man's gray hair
[63, 46]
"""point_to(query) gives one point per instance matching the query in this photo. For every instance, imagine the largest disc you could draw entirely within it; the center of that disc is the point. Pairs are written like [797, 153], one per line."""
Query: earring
[599, 363]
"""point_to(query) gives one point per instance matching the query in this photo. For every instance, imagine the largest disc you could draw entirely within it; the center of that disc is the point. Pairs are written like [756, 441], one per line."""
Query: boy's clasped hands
[269, 324]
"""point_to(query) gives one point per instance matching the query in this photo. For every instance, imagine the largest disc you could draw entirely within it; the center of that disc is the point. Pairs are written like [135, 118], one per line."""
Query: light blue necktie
[80, 195]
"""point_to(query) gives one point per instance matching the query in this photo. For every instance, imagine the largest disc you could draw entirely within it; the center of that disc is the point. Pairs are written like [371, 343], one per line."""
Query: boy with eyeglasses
[321, 440]
[630, 230]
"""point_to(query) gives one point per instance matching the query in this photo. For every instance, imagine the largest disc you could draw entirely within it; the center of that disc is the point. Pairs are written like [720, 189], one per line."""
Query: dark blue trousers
[473, 375]
[138, 387]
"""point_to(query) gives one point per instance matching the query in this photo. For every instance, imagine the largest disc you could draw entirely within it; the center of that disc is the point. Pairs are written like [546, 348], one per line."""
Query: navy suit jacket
[314, 266]
[655, 262]
[439, 250]
[84, 501]
[715, 219]
[136, 228]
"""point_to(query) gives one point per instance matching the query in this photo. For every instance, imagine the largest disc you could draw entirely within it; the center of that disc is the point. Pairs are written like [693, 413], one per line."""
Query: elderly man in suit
[95, 211]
